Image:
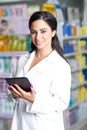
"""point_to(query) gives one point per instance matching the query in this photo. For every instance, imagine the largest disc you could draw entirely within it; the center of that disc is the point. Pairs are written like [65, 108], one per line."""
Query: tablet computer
[23, 82]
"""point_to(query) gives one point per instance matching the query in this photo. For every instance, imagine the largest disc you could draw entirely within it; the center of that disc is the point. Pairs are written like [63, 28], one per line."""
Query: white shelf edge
[12, 53]
[75, 86]
[6, 116]
[75, 53]
[78, 69]
[4, 75]
[73, 37]
[3, 95]
[76, 104]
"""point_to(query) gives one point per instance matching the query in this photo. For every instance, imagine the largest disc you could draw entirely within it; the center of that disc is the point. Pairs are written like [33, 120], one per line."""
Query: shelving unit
[70, 124]
[72, 116]
[6, 113]
[78, 125]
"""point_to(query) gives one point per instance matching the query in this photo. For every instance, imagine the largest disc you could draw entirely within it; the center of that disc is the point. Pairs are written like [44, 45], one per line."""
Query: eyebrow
[40, 29]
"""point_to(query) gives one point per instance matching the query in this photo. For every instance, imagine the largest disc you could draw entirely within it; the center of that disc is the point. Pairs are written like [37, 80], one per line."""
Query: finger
[9, 87]
[15, 95]
[19, 89]
[15, 91]
[32, 89]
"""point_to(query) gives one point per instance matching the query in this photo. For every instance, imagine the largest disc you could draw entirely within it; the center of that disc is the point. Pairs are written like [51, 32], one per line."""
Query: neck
[45, 53]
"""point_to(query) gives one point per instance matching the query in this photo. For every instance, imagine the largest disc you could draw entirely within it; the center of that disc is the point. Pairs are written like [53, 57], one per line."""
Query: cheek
[48, 36]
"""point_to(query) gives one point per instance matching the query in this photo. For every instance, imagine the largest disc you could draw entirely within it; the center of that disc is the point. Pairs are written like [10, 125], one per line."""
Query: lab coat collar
[52, 58]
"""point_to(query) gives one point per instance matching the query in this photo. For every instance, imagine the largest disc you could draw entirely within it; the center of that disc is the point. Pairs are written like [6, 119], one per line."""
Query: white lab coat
[51, 79]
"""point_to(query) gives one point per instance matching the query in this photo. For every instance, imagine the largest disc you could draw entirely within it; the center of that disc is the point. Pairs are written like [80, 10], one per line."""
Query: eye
[43, 31]
[32, 32]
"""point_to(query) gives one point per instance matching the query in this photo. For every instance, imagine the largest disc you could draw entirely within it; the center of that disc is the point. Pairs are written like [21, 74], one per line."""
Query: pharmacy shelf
[73, 37]
[6, 116]
[4, 75]
[12, 53]
[78, 69]
[3, 95]
[4, 2]
[75, 53]
[78, 125]
[76, 85]
[76, 104]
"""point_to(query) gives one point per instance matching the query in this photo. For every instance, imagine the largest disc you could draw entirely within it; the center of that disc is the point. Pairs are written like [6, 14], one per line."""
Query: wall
[74, 3]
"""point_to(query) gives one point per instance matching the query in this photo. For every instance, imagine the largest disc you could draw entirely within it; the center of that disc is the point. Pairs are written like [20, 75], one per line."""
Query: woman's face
[41, 34]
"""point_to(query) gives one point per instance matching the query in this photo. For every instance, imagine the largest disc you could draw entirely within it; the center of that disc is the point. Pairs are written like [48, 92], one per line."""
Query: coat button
[52, 95]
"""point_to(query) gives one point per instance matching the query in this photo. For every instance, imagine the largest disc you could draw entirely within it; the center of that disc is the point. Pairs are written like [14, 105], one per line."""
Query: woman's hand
[18, 92]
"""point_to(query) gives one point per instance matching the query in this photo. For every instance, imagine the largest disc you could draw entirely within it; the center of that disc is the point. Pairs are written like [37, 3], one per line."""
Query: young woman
[50, 76]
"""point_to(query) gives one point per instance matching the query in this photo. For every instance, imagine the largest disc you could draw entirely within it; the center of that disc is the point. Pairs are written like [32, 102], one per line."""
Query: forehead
[39, 24]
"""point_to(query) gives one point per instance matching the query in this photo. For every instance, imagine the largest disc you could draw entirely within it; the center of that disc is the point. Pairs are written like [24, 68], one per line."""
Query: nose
[38, 36]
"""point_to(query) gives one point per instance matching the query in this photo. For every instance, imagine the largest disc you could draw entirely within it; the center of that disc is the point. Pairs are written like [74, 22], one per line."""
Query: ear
[53, 33]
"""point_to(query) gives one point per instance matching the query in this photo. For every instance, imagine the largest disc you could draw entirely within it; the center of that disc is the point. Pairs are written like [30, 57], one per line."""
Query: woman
[50, 76]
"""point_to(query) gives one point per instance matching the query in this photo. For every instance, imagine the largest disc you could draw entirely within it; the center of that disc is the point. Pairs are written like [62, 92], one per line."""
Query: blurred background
[15, 41]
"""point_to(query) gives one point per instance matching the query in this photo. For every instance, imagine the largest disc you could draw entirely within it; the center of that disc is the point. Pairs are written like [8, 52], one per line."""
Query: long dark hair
[52, 22]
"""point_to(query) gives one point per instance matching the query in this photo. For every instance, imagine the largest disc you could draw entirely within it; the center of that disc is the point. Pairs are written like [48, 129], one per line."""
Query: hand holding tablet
[23, 82]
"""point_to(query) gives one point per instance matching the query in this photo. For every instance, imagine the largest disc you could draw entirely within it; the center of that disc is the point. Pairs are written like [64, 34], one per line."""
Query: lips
[38, 43]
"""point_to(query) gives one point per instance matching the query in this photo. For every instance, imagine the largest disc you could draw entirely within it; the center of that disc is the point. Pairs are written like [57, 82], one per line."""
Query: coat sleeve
[17, 66]
[59, 95]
